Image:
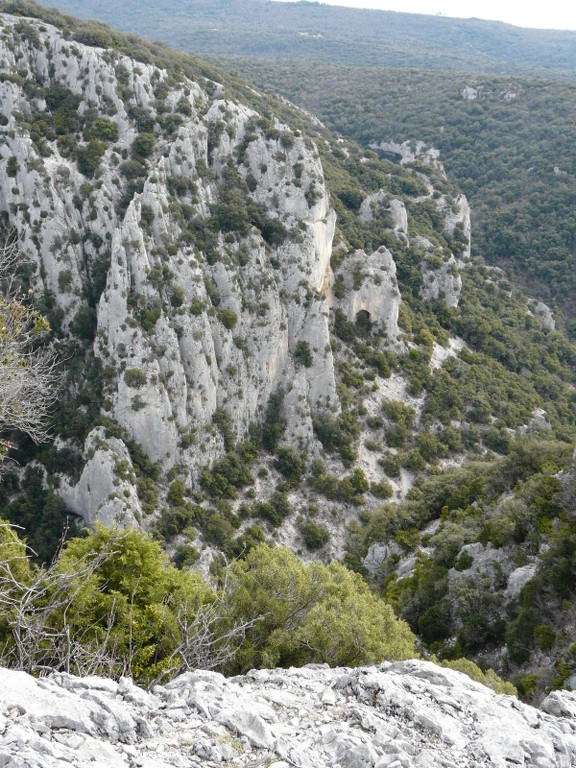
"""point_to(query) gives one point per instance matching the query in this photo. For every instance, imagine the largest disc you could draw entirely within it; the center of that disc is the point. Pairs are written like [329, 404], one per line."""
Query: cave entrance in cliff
[363, 323]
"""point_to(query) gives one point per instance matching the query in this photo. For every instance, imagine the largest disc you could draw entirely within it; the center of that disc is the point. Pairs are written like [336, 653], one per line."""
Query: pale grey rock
[544, 314]
[252, 727]
[378, 554]
[457, 214]
[442, 282]
[411, 714]
[377, 295]
[469, 93]
[570, 683]
[395, 209]
[399, 217]
[518, 579]
[538, 420]
[441, 353]
[561, 704]
[407, 151]
[103, 493]
[406, 566]
[190, 363]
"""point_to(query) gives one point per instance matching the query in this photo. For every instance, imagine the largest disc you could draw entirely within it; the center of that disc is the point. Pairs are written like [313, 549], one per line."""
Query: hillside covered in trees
[347, 36]
[504, 140]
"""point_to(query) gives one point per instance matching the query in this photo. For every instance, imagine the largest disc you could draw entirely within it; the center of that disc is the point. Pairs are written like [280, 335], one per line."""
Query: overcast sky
[553, 14]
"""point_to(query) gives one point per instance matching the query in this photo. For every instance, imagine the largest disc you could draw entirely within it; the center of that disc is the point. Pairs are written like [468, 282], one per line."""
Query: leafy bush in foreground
[112, 604]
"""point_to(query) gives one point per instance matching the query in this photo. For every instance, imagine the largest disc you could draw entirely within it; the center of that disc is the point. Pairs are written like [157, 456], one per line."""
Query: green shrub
[290, 464]
[274, 423]
[274, 232]
[488, 678]
[143, 146]
[315, 535]
[12, 167]
[89, 157]
[135, 378]
[315, 613]
[185, 556]
[303, 354]
[228, 318]
[83, 324]
[382, 490]
[337, 434]
[102, 130]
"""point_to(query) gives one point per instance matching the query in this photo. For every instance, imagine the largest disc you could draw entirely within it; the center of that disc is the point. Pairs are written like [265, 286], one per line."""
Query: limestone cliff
[213, 230]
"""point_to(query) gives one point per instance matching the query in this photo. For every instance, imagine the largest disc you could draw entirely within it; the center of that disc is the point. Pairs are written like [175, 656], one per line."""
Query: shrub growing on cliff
[314, 534]
[314, 613]
[228, 318]
[135, 378]
[112, 604]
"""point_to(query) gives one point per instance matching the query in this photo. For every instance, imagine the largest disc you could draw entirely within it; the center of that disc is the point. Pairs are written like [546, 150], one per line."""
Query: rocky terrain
[396, 715]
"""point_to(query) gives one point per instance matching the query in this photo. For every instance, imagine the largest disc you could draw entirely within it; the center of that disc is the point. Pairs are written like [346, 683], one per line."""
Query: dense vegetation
[111, 603]
[466, 529]
[507, 149]
[315, 32]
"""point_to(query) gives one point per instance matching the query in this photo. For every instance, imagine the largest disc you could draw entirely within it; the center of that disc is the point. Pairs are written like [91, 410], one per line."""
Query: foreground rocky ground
[396, 715]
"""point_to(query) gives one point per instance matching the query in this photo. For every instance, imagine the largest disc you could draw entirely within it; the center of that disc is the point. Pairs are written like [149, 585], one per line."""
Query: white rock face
[377, 293]
[469, 93]
[106, 490]
[407, 151]
[378, 554]
[544, 314]
[192, 317]
[441, 354]
[410, 714]
[399, 216]
[191, 261]
[518, 580]
[442, 282]
[457, 215]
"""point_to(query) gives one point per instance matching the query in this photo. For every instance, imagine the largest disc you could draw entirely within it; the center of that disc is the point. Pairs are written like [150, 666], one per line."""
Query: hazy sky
[553, 14]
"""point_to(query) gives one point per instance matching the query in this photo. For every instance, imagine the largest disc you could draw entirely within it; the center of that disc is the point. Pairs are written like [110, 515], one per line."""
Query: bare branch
[27, 373]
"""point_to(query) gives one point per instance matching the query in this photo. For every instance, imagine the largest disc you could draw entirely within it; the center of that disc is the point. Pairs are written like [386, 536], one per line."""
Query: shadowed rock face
[410, 714]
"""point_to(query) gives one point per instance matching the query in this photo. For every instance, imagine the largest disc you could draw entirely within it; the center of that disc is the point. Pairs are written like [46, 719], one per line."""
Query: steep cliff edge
[205, 237]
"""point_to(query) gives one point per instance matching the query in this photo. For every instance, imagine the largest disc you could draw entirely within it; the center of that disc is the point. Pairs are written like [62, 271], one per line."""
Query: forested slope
[347, 36]
[505, 141]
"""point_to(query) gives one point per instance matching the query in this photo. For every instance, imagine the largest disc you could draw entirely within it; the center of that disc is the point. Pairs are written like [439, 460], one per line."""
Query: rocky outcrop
[410, 714]
[372, 291]
[441, 278]
[544, 314]
[184, 240]
[407, 151]
[106, 491]
[457, 222]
